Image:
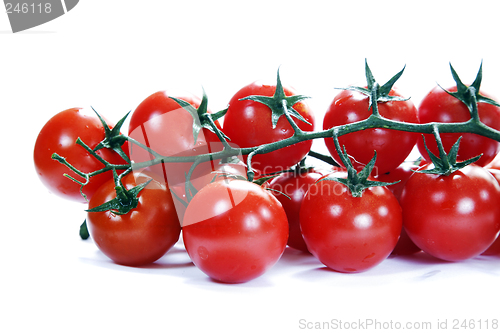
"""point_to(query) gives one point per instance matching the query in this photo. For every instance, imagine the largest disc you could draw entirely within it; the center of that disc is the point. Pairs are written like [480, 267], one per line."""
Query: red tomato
[402, 173]
[453, 217]
[439, 106]
[164, 126]
[290, 188]
[349, 234]
[248, 123]
[234, 231]
[59, 136]
[392, 146]
[141, 236]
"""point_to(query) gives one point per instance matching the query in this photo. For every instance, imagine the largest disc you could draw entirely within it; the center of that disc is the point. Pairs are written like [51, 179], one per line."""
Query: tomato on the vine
[164, 126]
[59, 135]
[346, 233]
[392, 146]
[439, 106]
[142, 235]
[249, 123]
[452, 217]
[234, 230]
[289, 188]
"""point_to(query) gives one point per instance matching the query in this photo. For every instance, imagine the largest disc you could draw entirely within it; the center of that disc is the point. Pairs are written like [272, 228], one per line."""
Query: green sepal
[446, 164]
[279, 103]
[262, 180]
[200, 115]
[125, 200]
[325, 158]
[277, 191]
[382, 93]
[464, 93]
[113, 139]
[356, 182]
[84, 231]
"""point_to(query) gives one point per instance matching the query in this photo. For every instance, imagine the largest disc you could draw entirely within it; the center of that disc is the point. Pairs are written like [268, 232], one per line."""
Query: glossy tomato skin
[163, 125]
[349, 234]
[234, 231]
[439, 106]
[248, 124]
[455, 217]
[392, 146]
[59, 136]
[289, 188]
[141, 236]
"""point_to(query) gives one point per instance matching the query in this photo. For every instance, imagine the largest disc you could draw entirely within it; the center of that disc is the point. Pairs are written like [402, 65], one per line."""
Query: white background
[112, 54]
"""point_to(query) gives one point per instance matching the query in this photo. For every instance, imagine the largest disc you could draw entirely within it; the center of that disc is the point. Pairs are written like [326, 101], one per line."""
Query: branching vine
[282, 105]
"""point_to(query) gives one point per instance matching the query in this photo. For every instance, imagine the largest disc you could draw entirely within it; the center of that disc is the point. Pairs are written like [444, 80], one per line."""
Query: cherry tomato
[234, 231]
[453, 217]
[439, 106]
[164, 126]
[141, 236]
[392, 146]
[290, 188]
[59, 136]
[248, 123]
[349, 234]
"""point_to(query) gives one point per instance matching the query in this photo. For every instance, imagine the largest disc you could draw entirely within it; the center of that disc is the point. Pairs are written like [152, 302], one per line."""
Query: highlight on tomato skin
[234, 230]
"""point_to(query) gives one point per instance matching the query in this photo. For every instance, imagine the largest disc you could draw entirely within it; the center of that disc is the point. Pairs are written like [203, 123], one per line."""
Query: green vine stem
[375, 120]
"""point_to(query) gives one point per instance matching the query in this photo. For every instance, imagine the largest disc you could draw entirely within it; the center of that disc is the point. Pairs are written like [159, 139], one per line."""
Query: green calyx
[84, 231]
[356, 182]
[376, 92]
[125, 200]
[201, 117]
[469, 95]
[280, 104]
[113, 139]
[446, 164]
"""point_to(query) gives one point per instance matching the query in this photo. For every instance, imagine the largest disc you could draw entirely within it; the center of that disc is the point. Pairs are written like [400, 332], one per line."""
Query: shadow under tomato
[422, 258]
[293, 256]
[200, 279]
[175, 258]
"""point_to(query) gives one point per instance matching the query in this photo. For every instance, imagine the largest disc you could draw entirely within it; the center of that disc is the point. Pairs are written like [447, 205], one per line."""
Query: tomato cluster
[239, 211]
